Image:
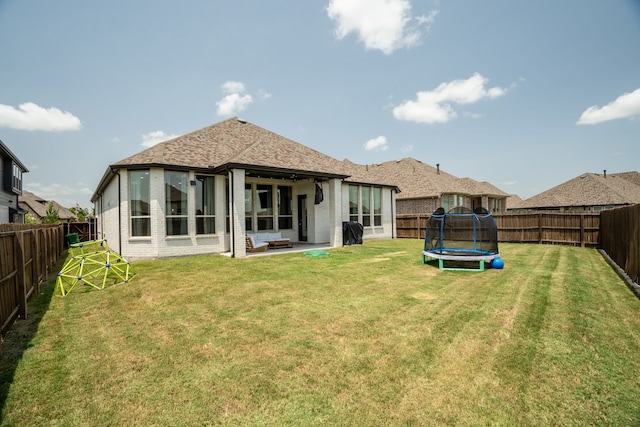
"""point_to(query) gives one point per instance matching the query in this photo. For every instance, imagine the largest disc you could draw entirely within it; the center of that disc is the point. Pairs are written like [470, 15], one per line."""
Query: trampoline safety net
[461, 229]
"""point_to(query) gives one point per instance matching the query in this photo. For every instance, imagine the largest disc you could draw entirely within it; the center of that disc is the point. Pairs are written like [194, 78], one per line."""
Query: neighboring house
[424, 188]
[11, 170]
[588, 192]
[37, 206]
[514, 202]
[203, 192]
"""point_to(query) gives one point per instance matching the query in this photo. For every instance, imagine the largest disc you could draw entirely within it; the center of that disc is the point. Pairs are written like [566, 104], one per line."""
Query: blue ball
[497, 263]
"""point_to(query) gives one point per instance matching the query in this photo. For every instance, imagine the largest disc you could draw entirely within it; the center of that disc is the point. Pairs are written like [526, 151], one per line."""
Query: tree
[31, 219]
[52, 216]
[80, 213]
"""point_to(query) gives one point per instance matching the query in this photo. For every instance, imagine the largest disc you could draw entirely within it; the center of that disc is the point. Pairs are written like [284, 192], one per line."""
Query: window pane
[140, 227]
[366, 200]
[264, 206]
[264, 195]
[139, 203]
[175, 184]
[205, 195]
[248, 207]
[205, 205]
[205, 225]
[139, 193]
[265, 223]
[176, 193]
[377, 201]
[176, 226]
[285, 195]
[285, 223]
[353, 200]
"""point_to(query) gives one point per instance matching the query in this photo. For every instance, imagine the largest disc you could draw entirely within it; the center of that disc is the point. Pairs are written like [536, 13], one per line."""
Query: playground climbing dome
[92, 264]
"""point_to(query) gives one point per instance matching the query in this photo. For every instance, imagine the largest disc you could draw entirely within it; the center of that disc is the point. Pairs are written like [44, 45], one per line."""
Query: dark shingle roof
[417, 180]
[37, 206]
[590, 189]
[235, 141]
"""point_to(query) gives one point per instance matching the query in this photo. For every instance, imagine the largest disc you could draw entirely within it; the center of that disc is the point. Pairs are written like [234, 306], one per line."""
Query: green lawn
[367, 336]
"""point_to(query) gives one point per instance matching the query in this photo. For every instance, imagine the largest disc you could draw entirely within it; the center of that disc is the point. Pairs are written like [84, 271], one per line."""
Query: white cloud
[56, 191]
[262, 94]
[625, 106]
[435, 106]
[31, 117]
[406, 148]
[385, 25]
[233, 87]
[377, 144]
[152, 138]
[235, 101]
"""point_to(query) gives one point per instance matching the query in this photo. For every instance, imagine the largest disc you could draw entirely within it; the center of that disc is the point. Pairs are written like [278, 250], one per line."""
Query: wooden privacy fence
[86, 230]
[27, 254]
[579, 229]
[620, 229]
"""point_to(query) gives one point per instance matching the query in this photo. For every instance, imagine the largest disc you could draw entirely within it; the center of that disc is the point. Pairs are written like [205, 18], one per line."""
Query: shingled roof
[418, 180]
[235, 142]
[589, 189]
[37, 206]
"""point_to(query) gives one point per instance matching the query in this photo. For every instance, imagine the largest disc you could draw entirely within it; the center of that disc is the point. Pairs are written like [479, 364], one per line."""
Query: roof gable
[37, 206]
[589, 189]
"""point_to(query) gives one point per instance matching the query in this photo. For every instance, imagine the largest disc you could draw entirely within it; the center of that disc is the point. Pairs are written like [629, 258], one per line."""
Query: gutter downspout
[117, 172]
[232, 228]
[393, 216]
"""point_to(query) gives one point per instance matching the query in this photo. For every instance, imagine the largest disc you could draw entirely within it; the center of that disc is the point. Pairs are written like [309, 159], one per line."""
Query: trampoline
[461, 237]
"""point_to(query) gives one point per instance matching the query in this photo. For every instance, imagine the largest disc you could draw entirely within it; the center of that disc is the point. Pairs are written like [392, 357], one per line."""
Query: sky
[524, 95]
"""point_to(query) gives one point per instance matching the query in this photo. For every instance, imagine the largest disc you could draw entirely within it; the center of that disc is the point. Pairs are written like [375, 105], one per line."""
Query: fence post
[582, 239]
[20, 277]
[540, 228]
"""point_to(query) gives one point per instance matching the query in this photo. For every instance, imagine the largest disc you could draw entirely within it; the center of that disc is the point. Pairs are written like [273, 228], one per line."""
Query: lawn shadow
[21, 333]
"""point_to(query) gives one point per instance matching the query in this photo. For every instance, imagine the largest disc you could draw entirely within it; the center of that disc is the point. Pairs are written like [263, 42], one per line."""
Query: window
[353, 203]
[377, 206]
[205, 205]
[139, 203]
[227, 206]
[285, 212]
[175, 187]
[248, 207]
[264, 210]
[16, 179]
[366, 206]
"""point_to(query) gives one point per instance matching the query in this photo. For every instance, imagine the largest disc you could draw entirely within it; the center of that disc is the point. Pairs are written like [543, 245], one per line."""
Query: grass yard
[367, 336]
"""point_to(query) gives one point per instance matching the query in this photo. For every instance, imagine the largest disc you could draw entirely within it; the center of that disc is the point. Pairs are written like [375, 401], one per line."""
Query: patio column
[236, 212]
[335, 213]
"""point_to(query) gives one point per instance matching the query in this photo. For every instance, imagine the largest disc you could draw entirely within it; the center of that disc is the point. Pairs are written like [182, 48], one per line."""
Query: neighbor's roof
[590, 189]
[37, 206]
[514, 201]
[417, 180]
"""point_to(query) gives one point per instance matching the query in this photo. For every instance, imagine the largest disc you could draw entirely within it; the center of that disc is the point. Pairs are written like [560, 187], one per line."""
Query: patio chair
[256, 247]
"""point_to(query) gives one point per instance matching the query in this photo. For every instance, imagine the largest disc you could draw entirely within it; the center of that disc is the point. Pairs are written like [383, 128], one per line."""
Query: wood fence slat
[27, 253]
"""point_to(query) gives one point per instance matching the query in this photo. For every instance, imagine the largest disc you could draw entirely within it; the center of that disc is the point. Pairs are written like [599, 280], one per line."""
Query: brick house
[588, 192]
[425, 188]
[203, 192]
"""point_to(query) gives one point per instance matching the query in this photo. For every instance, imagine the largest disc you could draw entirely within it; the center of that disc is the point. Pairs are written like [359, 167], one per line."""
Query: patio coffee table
[276, 244]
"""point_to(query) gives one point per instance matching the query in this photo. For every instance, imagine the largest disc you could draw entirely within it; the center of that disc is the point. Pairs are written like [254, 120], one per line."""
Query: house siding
[384, 231]
[115, 226]
[324, 219]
